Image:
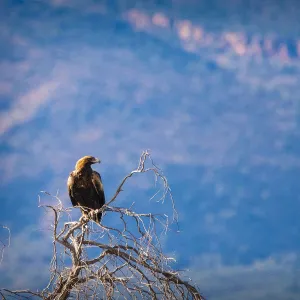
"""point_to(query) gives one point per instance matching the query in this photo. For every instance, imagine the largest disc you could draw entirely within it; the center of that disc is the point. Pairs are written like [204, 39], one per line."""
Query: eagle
[85, 187]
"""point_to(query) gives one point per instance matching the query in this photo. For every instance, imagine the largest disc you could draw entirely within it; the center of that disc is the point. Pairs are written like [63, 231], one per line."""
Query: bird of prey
[85, 187]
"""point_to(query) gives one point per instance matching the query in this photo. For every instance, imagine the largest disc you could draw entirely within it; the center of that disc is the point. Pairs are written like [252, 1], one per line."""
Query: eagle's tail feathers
[98, 217]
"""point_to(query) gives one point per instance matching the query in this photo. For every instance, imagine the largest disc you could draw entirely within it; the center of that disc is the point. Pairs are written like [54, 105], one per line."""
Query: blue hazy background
[211, 87]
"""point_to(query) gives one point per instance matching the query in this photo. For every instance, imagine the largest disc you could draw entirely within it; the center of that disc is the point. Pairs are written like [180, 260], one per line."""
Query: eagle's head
[86, 161]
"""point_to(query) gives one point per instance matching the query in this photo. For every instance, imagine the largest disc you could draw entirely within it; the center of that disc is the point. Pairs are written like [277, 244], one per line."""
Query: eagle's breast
[83, 180]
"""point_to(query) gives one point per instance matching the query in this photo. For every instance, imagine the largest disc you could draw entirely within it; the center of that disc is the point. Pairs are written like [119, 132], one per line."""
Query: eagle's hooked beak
[96, 161]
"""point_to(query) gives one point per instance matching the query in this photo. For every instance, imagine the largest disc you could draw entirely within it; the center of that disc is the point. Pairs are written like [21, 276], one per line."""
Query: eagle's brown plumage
[85, 186]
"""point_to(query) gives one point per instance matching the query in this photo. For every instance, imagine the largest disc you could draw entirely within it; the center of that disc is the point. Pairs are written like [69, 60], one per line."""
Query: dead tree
[125, 261]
